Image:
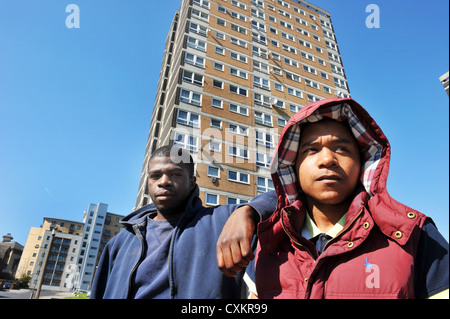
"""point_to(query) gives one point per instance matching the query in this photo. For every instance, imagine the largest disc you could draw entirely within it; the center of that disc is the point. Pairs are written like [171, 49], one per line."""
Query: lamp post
[38, 291]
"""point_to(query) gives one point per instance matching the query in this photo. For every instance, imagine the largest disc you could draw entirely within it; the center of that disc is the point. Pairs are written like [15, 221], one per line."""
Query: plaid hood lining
[287, 152]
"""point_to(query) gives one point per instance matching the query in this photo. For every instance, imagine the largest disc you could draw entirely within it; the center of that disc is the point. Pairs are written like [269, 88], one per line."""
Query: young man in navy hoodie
[168, 248]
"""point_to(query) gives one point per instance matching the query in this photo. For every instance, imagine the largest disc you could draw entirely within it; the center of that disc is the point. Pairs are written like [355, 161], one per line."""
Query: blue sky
[75, 104]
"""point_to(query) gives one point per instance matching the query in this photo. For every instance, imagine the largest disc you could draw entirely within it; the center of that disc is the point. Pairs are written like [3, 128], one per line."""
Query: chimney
[7, 238]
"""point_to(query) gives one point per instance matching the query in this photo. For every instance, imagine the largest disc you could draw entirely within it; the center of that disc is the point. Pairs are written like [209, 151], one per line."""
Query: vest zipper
[295, 241]
[343, 230]
[139, 261]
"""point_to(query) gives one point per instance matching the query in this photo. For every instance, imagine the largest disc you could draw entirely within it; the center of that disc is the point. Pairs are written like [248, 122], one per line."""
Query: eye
[154, 176]
[310, 150]
[341, 149]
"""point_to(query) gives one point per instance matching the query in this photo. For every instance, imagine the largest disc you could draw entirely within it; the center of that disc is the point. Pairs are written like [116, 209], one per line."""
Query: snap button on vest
[398, 234]
[366, 225]
[411, 215]
[350, 244]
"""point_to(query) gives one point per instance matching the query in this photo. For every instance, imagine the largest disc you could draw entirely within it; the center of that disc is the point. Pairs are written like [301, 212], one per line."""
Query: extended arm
[234, 246]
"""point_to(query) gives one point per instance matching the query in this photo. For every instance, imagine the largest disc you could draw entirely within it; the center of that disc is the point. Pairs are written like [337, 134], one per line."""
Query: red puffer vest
[372, 257]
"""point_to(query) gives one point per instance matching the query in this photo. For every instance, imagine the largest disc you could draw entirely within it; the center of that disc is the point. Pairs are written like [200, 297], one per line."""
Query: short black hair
[178, 156]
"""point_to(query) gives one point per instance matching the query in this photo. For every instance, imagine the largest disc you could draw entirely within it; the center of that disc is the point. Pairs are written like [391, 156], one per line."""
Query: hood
[373, 144]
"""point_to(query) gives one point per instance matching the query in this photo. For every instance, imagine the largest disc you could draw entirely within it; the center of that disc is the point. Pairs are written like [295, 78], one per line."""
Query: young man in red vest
[336, 232]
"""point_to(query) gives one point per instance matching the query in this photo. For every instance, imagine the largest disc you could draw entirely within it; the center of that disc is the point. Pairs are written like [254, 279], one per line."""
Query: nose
[164, 181]
[326, 158]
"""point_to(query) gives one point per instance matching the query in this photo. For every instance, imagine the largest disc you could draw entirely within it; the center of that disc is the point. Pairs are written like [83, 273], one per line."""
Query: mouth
[329, 178]
[165, 195]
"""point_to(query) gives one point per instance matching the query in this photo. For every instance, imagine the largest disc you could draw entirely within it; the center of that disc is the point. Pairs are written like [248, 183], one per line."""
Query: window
[235, 200]
[238, 57]
[239, 29]
[259, 38]
[238, 73]
[235, 108]
[221, 9]
[281, 122]
[188, 142]
[258, 25]
[312, 98]
[196, 44]
[309, 69]
[238, 42]
[280, 104]
[237, 129]
[188, 118]
[192, 78]
[221, 22]
[190, 97]
[264, 184]
[312, 84]
[260, 52]
[198, 29]
[238, 177]
[238, 16]
[262, 99]
[287, 36]
[257, 13]
[263, 138]
[295, 92]
[215, 146]
[261, 67]
[195, 60]
[290, 62]
[289, 49]
[238, 4]
[286, 25]
[260, 82]
[304, 32]
[212, 199]
[202, 3]
[238, 90]
[199, 14]
[238, 152]
[337, 69]
[328, 34]
[305, 44]
[220, 35]
[307, 56]
[218, 66]
[278, 86]
[217, 84]
[213, 171]
[293, 77]
[340, 83]
[263, 118]
[216, 123]
[263, 160]
[284, 4]
[284, 13]
[219, 50]
[301, 21]
[294, 108]
[216, 103]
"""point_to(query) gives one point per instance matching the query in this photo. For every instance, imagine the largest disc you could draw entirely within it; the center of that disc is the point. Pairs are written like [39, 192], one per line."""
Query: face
[169, 186]
[328, 163]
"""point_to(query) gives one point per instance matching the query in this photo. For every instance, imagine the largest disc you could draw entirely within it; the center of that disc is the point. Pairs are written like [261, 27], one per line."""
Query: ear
[192, 182]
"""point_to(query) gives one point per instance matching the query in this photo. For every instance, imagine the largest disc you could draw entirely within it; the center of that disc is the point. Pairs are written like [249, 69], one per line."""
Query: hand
[234, 251]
